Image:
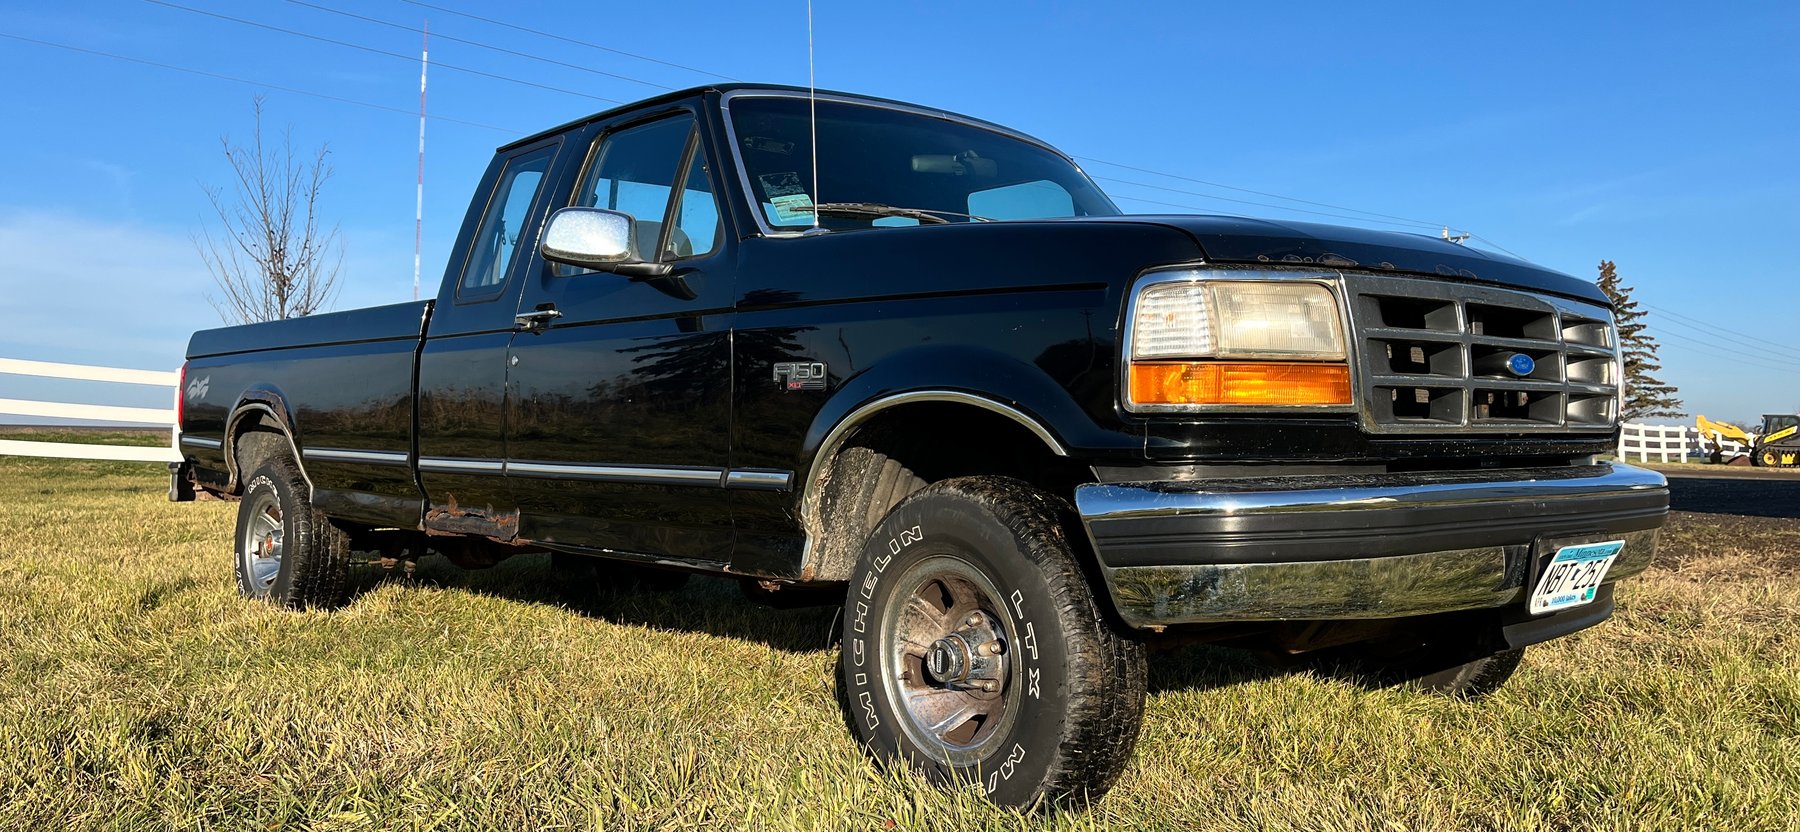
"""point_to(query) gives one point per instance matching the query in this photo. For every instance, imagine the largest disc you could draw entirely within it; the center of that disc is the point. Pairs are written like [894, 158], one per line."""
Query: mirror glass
[590, 237]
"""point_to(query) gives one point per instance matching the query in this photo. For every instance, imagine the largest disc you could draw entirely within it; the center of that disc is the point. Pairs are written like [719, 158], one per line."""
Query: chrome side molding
[741, 478]
[347, 455]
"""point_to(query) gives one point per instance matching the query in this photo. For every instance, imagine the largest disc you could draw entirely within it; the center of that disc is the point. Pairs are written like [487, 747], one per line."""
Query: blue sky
[1662, 136]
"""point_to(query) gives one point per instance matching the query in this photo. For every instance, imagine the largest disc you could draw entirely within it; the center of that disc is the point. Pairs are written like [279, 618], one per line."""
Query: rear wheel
[288, 552]
[974, 651]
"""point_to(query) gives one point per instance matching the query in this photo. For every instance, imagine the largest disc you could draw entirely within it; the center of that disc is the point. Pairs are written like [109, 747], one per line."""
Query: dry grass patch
[138, 692]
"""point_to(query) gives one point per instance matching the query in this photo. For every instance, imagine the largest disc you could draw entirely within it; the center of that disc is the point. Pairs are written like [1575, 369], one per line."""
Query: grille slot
[1437, 356]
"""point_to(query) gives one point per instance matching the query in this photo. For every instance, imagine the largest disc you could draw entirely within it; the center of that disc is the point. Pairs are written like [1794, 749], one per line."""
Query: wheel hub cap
[262, 544]
[947, 661]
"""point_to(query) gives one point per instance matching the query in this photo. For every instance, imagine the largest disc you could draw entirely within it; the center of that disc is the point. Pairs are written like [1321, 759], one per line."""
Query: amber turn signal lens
[1240, 383]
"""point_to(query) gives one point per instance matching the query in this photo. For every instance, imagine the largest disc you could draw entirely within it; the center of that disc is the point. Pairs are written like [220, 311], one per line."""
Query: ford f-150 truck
[931, 368]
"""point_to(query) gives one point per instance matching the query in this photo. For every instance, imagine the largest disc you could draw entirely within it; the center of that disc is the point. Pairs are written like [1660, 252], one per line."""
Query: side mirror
[591, 238]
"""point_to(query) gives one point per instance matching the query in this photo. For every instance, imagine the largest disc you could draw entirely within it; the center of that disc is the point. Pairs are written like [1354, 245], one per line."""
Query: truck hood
[1241, 240]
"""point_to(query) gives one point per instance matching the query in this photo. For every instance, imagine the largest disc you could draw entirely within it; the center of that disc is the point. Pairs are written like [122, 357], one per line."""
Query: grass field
[138, 691]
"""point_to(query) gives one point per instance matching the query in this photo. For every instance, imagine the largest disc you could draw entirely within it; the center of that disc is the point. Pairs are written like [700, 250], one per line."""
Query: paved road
[1724, 490]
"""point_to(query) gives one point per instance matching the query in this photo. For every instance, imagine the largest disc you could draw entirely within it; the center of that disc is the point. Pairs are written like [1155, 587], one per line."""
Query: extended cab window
[635, 170]
[872, 155]
[502, 229]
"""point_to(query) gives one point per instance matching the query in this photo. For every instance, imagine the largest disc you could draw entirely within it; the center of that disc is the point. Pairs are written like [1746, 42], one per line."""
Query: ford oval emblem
[1520, 364]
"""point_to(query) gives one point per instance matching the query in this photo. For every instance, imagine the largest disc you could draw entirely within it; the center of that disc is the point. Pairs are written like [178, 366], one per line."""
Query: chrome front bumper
[1381, 546]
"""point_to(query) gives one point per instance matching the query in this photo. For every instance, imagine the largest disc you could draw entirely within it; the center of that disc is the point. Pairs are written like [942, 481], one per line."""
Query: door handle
[536, 320]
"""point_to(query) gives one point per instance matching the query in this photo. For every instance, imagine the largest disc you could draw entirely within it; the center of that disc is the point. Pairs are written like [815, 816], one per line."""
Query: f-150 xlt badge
[801, 375]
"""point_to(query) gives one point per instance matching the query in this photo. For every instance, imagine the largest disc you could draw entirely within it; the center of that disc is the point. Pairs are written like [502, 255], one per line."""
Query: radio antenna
[812, 106]
[419, 205]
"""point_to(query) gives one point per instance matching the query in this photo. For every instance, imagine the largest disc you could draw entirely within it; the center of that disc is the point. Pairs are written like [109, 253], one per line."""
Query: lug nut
[976, 620]
[991, 648]
[990, 685]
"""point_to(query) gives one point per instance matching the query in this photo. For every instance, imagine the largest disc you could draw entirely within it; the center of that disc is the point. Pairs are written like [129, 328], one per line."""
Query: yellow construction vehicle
[1779, 444]
[1776, 446]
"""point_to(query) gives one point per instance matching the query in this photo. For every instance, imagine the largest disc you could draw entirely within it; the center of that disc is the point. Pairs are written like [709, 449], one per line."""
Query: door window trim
[534, 210]
[693, 147]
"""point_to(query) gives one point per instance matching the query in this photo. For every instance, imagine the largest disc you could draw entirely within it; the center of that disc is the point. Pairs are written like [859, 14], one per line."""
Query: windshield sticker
[788, 196]
[793, 208]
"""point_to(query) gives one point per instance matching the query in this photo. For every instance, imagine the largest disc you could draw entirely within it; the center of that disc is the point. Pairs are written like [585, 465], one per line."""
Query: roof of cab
[722, 89]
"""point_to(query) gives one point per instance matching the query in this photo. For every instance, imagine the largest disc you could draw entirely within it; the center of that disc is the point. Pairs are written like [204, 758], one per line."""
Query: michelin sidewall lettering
[1033, 641]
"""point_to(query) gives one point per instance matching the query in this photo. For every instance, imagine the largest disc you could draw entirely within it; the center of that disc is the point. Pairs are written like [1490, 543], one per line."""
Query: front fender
[971, 375]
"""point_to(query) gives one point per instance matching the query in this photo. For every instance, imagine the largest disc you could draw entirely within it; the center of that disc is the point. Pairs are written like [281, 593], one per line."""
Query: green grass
[138, 691]
[147, 437]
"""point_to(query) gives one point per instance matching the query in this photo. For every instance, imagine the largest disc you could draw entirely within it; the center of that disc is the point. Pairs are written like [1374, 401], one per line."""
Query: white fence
[94, 412]
[1670, 443]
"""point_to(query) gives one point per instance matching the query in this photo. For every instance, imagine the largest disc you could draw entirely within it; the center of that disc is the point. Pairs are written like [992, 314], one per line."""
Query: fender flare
[979, 378]
[269, 401]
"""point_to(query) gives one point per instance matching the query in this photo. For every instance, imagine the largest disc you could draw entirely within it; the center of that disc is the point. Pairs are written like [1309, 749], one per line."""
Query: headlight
[1203, 338]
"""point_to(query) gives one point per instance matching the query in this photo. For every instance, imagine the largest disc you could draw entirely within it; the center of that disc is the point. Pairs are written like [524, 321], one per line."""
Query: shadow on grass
[1206, 667]
[714, 606]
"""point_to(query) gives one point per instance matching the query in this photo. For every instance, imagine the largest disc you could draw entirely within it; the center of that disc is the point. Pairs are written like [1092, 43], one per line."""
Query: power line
[565, 39]
[1738, 356]
[254, 83]
[1267, 194]
[1760, 351]
[1728, 334]
[1356, 214]
[480, 45]
[1388, 219]
[1391, 219]
[1503, 249]
[372, 50]
[1247, 202]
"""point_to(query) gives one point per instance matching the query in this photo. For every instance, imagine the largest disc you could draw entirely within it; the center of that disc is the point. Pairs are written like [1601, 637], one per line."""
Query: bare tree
[270, 258]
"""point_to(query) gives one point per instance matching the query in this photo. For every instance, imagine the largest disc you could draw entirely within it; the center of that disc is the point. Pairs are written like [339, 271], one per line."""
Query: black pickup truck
[933, 373]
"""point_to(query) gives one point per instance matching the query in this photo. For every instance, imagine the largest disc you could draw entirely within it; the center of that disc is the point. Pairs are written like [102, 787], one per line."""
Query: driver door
[620, 411]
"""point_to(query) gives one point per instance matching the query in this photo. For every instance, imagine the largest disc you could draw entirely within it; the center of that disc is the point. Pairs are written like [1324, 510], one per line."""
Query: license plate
[1574, 575]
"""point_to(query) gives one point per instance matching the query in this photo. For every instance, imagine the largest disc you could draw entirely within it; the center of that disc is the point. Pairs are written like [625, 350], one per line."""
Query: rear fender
[271, 405]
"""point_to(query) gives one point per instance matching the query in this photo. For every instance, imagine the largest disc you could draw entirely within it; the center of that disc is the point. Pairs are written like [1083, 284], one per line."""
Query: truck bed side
[340, 386]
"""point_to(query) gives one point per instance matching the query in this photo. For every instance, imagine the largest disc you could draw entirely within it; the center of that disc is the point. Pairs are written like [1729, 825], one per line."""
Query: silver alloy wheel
[945, 660]
[261, 546]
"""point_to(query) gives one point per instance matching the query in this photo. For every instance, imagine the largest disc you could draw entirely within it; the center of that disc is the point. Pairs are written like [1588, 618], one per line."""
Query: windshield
[874, 156]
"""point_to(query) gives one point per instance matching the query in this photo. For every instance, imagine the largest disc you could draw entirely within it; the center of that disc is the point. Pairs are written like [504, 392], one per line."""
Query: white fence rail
[1670, 443]
[93, 412]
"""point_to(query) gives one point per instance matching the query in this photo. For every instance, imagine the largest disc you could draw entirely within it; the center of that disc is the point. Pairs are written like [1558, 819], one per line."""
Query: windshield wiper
[876, 209]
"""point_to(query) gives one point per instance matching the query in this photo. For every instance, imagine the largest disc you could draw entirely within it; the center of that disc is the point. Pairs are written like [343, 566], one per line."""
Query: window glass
[635, 171]
[497, 243]
[871, 154]
[698, 215]
[1024, 201]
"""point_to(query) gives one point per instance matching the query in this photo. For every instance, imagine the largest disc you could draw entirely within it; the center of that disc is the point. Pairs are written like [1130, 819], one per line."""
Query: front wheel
[974, 650]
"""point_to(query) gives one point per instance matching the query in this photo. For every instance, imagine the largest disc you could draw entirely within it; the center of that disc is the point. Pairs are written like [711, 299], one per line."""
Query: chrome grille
[1441, 356]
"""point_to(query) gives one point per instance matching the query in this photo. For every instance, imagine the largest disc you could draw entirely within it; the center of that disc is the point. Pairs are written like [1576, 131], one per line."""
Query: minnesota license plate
[1574, 575]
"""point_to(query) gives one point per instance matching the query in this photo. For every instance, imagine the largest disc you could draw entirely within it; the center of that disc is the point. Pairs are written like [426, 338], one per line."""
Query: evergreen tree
[1645, 394]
